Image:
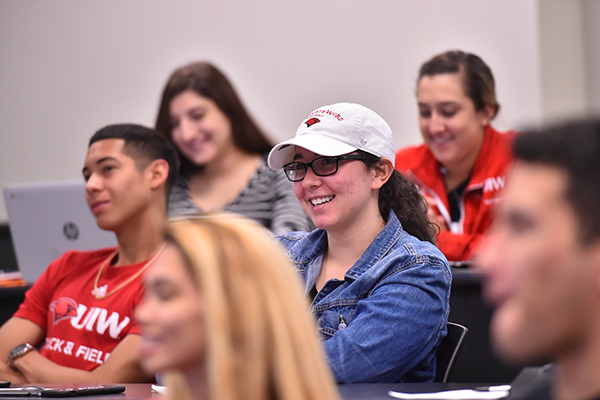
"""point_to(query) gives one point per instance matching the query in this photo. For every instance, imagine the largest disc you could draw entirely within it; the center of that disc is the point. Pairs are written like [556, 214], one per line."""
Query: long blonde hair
[262, 341]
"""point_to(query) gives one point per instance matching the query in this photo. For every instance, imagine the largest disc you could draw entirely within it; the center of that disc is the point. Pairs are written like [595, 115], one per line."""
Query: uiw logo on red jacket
[93, 319]
[493, 184]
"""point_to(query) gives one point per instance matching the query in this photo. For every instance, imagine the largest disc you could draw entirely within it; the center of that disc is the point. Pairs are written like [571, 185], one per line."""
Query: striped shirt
[268, 199]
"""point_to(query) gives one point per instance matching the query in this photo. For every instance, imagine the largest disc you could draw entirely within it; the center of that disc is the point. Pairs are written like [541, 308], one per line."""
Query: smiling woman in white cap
[379, 287]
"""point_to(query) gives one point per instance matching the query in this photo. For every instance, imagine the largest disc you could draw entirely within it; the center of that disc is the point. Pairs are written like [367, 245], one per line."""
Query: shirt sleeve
[37, 299]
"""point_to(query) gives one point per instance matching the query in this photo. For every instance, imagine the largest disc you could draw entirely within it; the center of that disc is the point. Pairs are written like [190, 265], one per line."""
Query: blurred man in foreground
[542, 261]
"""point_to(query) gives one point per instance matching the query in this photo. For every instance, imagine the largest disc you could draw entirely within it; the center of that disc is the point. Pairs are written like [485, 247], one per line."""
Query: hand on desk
[8, 374]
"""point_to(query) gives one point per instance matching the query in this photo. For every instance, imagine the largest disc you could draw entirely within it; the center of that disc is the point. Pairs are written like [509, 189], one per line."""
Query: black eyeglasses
[321, 166]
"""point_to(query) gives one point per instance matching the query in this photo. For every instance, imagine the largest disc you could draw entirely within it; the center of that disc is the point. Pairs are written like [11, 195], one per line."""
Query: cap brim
[283, 153]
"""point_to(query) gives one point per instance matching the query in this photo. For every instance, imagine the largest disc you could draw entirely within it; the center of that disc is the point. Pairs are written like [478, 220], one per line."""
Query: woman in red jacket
[460, 167]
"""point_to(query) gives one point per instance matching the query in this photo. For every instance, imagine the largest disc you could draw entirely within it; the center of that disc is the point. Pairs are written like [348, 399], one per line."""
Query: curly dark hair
[401, 195]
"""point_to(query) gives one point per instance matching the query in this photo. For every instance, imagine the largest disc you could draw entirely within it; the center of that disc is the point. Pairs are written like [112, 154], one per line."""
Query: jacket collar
[314, 244]
[429, 170]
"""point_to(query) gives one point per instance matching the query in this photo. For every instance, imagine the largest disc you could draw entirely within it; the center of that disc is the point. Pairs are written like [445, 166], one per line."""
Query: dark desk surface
[363, 391]
[133, 391]
[465, 276]
[10, 299]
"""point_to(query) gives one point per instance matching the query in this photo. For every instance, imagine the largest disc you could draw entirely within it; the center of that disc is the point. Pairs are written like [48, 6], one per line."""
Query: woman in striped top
[223, 153]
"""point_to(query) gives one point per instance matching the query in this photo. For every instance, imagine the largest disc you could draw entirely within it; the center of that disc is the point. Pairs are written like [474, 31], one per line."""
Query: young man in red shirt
[76, 324]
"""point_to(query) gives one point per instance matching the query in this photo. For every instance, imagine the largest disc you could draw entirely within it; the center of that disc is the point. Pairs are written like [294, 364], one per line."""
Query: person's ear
[486, 115]
[381, 173]
[594, 259]
[158, 172]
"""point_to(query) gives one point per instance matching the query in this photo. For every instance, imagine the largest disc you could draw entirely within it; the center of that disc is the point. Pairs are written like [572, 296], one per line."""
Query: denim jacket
[385, 320]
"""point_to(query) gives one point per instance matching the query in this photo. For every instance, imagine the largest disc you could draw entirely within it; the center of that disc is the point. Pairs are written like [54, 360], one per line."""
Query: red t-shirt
[82, 330]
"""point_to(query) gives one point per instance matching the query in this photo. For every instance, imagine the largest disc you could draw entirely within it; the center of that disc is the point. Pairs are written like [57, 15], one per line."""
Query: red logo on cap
[312, 121]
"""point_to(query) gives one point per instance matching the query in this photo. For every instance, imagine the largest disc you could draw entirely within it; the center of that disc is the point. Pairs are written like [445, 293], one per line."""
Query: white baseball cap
[338, 129]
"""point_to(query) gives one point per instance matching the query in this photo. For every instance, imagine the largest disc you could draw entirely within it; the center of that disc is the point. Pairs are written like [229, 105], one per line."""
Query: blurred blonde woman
[225, 316]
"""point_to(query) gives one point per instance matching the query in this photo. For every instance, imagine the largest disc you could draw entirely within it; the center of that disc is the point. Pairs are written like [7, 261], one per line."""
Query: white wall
[563, 59]
[591, 33]
[69, 67]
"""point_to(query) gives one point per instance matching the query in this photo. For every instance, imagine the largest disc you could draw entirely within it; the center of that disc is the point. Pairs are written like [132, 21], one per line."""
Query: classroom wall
[591, 41]
[563, 55]
[69, 67]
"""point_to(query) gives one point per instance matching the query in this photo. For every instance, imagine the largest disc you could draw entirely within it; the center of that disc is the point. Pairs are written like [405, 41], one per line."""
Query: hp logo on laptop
[71, 231]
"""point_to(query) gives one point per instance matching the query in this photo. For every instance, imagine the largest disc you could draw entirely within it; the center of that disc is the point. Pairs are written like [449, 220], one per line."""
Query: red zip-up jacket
[482, 192]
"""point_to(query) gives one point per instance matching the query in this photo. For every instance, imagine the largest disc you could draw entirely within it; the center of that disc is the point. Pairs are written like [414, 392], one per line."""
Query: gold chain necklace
[127, 282]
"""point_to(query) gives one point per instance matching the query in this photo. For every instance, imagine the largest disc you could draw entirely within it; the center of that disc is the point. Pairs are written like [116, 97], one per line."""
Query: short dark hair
[144, 145]
[478, 80]
[207, 81]
[401, 195]
[573, 147]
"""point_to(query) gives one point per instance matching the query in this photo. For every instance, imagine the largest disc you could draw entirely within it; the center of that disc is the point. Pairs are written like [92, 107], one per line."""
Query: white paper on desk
[159, 389]
[464, 394]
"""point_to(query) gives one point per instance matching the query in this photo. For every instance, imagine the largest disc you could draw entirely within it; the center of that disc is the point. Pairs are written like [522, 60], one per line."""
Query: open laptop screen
[48, 218]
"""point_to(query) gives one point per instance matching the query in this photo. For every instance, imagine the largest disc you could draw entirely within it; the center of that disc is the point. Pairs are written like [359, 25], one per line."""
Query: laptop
[48, 218]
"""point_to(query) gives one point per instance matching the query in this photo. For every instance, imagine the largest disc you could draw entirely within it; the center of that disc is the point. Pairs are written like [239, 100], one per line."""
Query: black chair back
[448, 350]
